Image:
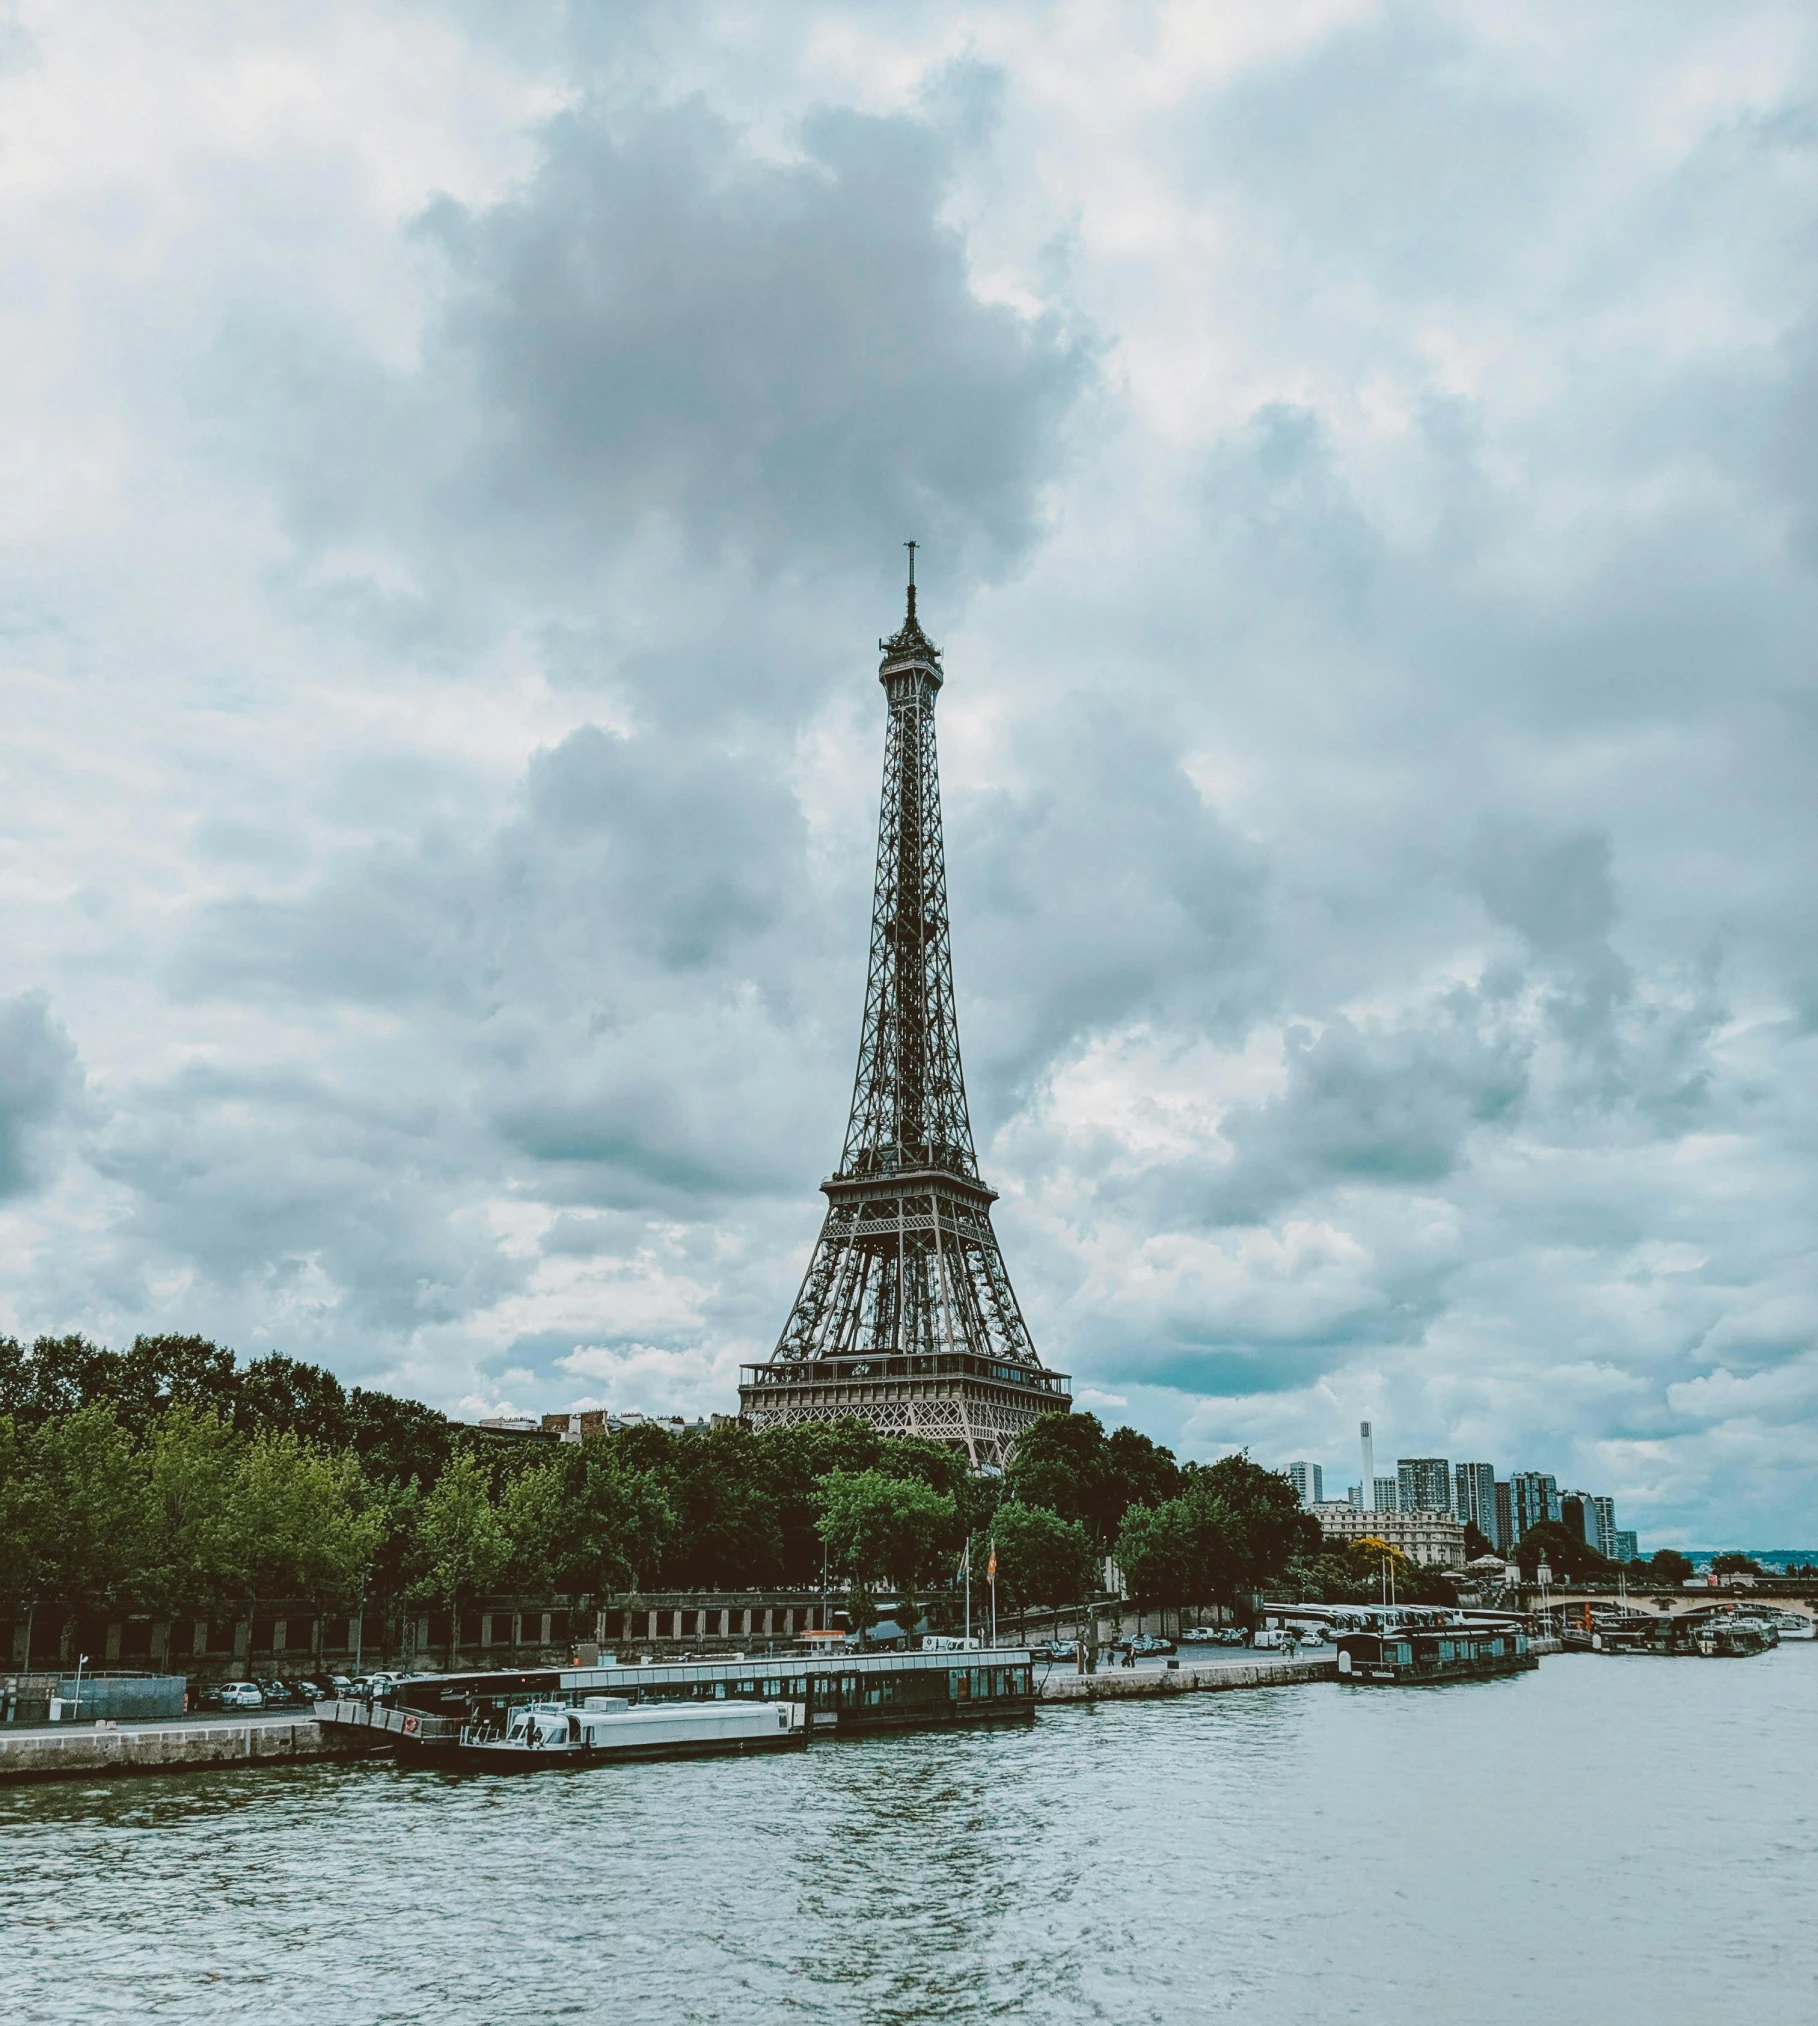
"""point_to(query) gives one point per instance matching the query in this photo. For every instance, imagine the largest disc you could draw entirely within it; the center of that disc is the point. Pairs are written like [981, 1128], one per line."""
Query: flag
[991, 1566]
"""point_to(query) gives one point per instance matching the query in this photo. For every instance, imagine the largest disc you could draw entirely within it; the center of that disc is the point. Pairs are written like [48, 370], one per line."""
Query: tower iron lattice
[906, 1317]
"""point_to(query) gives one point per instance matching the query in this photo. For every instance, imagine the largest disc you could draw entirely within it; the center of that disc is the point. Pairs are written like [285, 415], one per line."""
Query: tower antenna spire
[912, 547]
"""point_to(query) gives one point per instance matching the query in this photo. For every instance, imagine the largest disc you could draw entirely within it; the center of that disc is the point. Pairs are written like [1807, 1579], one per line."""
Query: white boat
[603, 1727]
[1789, 1624]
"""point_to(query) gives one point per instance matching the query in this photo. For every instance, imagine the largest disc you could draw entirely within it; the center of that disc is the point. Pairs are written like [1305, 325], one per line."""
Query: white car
[242, 1695]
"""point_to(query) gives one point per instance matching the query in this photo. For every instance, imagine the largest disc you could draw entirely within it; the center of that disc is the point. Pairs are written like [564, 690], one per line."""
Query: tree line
[170, 1478]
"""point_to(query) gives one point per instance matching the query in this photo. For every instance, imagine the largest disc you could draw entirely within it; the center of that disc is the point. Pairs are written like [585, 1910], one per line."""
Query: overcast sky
[453, 463]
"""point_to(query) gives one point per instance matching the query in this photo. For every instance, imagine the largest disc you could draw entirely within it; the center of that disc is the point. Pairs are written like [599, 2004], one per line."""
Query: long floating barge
[840, 1694]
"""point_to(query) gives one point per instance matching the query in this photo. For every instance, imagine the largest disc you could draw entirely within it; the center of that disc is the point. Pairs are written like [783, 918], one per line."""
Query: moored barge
[839, 1694]
[1707, 1637]
[1417, 1655]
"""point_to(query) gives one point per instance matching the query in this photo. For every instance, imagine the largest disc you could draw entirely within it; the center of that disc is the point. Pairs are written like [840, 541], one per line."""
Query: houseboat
[839, 1694]
[1407, 1655]
[1702, 1635]
[603, 1728]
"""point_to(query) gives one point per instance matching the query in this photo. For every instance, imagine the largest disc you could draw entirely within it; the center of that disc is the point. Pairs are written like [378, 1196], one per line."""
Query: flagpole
[966, 1565]
[991, 1578]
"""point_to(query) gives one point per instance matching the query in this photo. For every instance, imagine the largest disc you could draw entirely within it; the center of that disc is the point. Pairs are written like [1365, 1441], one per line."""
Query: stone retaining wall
[85, 1750]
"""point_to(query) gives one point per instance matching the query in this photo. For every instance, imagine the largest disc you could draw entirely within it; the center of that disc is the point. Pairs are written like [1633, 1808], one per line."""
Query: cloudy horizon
[1366, 465]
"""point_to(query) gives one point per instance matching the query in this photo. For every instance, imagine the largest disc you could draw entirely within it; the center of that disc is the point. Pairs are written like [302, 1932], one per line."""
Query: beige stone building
[1430, 1539]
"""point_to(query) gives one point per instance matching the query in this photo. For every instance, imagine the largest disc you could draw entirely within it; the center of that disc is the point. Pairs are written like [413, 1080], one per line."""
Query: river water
[1607, 1840]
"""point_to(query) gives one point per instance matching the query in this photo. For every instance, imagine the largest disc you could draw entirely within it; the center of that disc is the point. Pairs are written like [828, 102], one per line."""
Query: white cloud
[1364, 457]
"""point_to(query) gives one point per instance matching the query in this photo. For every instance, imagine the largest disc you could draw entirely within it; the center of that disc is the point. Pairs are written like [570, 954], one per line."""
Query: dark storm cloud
[662, 338]
[785, 359]
[40, 1080]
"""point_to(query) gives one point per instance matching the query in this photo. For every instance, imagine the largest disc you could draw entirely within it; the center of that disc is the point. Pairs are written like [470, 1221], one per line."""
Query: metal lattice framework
[906, 1315]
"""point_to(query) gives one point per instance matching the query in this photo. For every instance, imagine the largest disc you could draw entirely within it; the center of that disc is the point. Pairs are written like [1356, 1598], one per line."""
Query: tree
[1669, 1566]
[1733, 1564]
[1175, 1553]
[398, 1441]
[584, 1523]
[1061, 1464]
[25, 1568]
[1570, 1557]
[889, 1527]
[1264, 1522]
[192, 1461]
[1041, 1558]
[299, 1524]
[794, 1462]
[1476, 1543]
[175, 1371]
[726, 1534]
[95, 1508]
[283, 1394]
[1139, 1472]
[464, 1544]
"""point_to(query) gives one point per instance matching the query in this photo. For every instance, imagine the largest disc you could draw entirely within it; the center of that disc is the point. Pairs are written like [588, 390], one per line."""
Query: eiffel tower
[906, 1317]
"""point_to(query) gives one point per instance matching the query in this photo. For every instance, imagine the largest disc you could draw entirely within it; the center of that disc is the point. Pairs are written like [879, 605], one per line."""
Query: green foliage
[1176, 1553]
[168, 1476]
[465, 1546]
[1670, 1566]
[95, 1508]
[1042, 1558]
[584, 1522]
[23, 1519]
[892, 1529]
[1571, 1558]
[1353, 1574]
[297, 1523]
[1233, 1528]
[1067, 1464]
[1733, 1564]
[192, 1460]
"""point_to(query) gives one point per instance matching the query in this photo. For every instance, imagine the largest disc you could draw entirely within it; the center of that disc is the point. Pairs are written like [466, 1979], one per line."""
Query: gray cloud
[40, 1080]
[1365, 477]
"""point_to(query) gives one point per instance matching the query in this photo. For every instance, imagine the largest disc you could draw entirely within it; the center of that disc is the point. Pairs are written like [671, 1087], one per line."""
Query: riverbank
[87, 1751]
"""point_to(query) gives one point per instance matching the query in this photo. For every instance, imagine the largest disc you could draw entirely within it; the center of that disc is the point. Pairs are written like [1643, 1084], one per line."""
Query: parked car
[1150, 1643]
[241, 1695]
[1052, 1649]
[337, 1684]
[206, 1698]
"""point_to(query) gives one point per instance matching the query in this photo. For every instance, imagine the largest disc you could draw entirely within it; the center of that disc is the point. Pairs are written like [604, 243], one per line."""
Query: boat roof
[753, 1666]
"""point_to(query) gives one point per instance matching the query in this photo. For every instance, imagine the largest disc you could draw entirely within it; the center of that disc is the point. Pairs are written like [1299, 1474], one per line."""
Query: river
[1607, 1840]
